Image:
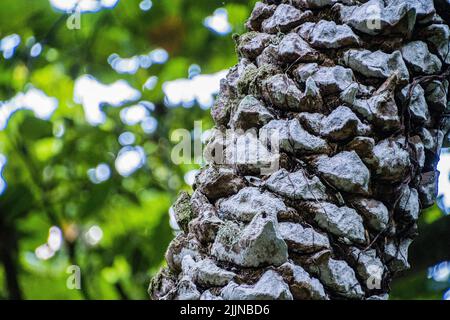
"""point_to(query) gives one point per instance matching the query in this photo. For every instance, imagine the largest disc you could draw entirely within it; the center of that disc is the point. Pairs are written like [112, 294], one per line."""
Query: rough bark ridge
[357, 94]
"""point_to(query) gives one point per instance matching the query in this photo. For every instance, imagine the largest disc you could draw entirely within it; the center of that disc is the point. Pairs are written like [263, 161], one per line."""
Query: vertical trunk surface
[338, 110]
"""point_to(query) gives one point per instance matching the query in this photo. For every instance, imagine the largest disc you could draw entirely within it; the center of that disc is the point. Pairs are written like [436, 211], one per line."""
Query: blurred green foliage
[46, 172]
[419, 284]
[48, 161]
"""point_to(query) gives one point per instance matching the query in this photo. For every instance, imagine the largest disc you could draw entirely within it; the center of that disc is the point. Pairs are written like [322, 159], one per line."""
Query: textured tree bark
[350, 100]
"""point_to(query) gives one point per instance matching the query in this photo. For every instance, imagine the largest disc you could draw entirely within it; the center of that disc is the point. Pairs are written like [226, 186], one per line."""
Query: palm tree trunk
[338, 110]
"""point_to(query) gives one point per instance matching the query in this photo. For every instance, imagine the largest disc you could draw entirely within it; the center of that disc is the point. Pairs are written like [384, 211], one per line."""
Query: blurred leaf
[16, 202]
[432, 214]
[34, 129]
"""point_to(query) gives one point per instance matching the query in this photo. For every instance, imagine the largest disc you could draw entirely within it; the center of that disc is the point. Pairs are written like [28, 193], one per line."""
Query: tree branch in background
[121, 291]
[8, 256]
